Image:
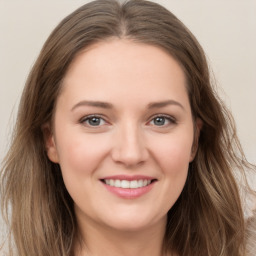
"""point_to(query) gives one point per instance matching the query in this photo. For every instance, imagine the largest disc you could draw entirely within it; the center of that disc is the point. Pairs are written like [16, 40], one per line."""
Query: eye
[93, 120]
[162, 120]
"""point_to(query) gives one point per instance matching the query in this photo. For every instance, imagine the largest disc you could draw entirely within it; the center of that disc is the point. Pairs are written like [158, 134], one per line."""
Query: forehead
[123, 68]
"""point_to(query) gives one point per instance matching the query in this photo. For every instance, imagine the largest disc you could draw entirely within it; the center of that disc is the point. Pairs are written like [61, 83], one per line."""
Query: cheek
[173, 153]
[80, 155]
[173, 157]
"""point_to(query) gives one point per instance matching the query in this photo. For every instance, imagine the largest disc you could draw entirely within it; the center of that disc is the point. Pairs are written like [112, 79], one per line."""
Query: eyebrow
[165, 103]
[98, 104]
[106, 105]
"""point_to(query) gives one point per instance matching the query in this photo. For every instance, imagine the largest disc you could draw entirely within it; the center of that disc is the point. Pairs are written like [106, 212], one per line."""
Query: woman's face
[123, 134]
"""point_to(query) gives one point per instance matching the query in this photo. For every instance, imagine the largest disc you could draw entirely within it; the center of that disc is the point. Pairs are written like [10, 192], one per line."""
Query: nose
[129, 146]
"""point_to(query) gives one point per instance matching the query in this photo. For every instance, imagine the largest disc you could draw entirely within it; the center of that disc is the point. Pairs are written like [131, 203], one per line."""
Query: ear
[197, 128]
[49, 143]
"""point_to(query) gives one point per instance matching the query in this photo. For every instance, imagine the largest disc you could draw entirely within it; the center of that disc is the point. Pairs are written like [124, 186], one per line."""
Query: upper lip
[128, 177]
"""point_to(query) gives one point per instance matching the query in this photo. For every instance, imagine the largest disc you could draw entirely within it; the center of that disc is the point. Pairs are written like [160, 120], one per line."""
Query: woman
[121, 145]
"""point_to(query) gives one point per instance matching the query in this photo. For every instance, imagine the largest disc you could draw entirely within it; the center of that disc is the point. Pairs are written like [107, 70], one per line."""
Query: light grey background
[225, 28]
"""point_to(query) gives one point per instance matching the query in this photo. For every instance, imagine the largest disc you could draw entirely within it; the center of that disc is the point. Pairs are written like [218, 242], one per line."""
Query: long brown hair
[207, 219]
[251, 234]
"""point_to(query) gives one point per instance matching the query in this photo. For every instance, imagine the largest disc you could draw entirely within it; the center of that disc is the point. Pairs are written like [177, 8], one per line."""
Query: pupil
[159, 121]
[94, 121]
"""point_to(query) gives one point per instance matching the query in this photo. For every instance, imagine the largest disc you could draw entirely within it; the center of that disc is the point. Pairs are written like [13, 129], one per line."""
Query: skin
[126, 140]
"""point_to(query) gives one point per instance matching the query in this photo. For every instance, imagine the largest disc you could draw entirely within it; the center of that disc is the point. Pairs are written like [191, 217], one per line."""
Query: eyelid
[85, 118]
[169, 117]
[82, 120]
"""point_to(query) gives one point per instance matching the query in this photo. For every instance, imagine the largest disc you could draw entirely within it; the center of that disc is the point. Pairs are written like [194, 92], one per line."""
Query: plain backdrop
[225, 28]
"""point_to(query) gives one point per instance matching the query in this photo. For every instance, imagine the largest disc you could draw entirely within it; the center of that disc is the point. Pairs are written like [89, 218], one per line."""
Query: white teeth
[140, 183]
[117, 183]
[134, 184]
[127, 183]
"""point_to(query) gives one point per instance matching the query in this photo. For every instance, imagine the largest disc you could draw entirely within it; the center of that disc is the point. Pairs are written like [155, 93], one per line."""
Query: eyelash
[170, 119]
[86, 119]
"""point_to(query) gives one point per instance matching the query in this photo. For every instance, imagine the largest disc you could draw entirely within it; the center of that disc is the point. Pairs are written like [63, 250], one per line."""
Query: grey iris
[94, 121]
[159, 121]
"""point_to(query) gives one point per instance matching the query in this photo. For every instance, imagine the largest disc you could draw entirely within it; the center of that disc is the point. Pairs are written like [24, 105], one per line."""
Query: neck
[98, 240]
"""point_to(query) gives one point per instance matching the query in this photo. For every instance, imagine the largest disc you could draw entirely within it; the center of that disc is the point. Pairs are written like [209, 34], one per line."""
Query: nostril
[129, 159]
[129, 149]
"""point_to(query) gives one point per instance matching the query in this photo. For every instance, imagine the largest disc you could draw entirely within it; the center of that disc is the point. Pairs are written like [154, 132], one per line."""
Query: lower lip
[129, 193]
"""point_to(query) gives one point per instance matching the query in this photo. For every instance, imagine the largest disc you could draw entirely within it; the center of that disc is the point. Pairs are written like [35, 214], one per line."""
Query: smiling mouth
[128, 183]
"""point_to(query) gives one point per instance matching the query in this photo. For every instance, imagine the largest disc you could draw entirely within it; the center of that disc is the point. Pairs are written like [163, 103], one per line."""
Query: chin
[134, 223]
